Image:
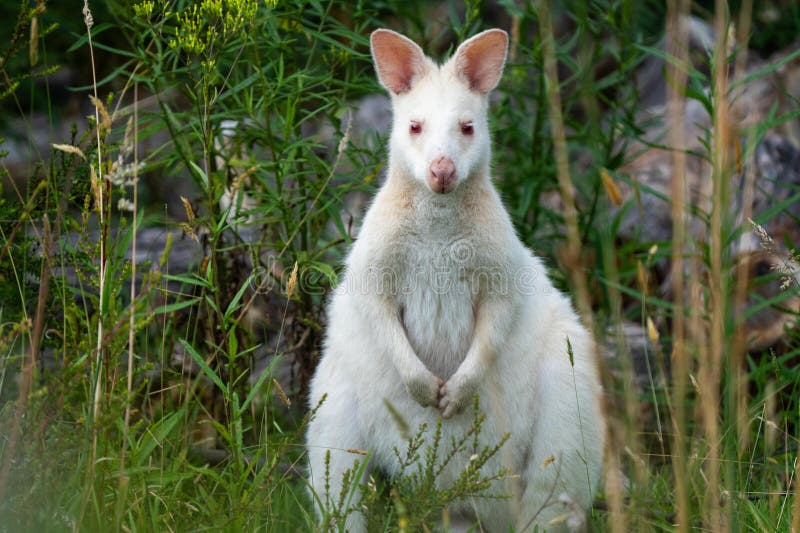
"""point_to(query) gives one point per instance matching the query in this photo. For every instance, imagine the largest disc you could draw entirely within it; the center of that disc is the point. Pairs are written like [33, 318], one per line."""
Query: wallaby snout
[442, 175]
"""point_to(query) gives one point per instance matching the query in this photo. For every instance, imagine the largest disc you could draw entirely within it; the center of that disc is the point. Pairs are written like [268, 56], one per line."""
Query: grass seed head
[611, 187]
[281, 394]
[292, 284]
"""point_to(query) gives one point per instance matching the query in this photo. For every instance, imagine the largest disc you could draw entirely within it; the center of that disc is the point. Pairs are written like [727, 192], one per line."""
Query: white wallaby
[440, 300]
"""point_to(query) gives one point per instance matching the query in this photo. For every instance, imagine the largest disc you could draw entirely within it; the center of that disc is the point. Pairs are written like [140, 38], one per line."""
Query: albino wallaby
[440, 300]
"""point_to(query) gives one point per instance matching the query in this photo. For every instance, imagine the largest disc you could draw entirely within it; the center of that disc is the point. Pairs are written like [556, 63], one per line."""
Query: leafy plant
[163, 394]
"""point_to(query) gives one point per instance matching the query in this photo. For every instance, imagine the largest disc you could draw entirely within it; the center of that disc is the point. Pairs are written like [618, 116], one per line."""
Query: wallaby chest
[439, 293]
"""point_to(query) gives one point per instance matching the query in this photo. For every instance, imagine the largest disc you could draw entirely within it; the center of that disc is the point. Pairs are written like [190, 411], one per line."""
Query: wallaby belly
[438, 316]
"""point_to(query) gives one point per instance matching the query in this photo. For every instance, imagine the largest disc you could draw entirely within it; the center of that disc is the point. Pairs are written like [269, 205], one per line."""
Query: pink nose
[442, 175]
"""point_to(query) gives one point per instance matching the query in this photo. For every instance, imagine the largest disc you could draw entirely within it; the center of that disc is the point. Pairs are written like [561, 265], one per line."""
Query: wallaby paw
[455, 395]
[424, 388]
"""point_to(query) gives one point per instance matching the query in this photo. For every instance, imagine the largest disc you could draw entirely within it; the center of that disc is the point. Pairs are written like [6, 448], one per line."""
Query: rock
[774, 166]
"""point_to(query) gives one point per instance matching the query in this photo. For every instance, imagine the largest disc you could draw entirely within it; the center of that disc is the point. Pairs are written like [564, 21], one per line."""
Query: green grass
[101, 429]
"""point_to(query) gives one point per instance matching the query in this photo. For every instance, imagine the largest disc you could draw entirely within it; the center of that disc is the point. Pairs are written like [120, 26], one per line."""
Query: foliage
[152, 394]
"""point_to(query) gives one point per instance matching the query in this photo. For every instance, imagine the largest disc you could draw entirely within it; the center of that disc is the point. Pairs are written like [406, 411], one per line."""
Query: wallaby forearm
[388, 329]
[494, 320]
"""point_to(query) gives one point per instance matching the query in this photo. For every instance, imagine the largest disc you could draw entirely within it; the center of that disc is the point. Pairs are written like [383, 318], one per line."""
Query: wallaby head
[440, 133]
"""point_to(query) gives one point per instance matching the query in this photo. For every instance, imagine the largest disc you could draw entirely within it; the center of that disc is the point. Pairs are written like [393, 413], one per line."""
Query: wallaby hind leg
[564, 467]
[336, 469]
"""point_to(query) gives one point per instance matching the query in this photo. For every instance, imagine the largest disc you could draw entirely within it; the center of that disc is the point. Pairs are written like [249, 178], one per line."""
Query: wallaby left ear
[479, 60]
[399, 61]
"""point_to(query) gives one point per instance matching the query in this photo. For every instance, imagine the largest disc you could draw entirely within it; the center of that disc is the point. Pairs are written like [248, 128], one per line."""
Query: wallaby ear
[479, 60]
[399, 61]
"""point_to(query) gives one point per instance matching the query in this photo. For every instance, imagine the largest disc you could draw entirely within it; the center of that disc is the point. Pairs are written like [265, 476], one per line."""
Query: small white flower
[87, 15]
[125, 205]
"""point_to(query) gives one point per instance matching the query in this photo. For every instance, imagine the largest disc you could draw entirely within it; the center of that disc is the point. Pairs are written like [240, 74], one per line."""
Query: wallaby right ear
[399, 61]
[479, 60]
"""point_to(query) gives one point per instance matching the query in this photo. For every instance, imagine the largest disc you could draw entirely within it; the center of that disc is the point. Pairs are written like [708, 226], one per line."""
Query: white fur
[440, 300]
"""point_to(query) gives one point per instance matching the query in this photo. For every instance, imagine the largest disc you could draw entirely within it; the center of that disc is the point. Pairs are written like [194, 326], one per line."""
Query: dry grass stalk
[89, 22]
[677, 36]
[123, 479]
[738, 346]
[573, 252]
[710, 360]
[796, 503]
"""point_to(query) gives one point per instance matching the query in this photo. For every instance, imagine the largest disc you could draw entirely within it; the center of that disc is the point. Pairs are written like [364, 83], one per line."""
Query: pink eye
[415, 128]
[466, 128]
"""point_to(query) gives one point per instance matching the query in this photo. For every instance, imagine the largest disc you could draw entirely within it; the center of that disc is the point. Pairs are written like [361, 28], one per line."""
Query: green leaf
[156, 435]
[233, 344]
[189, 279]
[255, 388]
[199, 174]
[233, 306]
[207, 370]
[175, 306]
[84, 38]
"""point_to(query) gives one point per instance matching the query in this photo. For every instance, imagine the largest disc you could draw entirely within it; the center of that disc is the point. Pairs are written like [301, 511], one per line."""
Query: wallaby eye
[415, 128]
[466, 128]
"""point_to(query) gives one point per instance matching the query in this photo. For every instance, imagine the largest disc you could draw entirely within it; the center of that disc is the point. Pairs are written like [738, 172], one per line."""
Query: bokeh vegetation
[165, 260]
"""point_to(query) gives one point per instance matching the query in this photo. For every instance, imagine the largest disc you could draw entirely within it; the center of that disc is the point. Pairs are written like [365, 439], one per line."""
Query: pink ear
[479, 61]
[398, 60]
